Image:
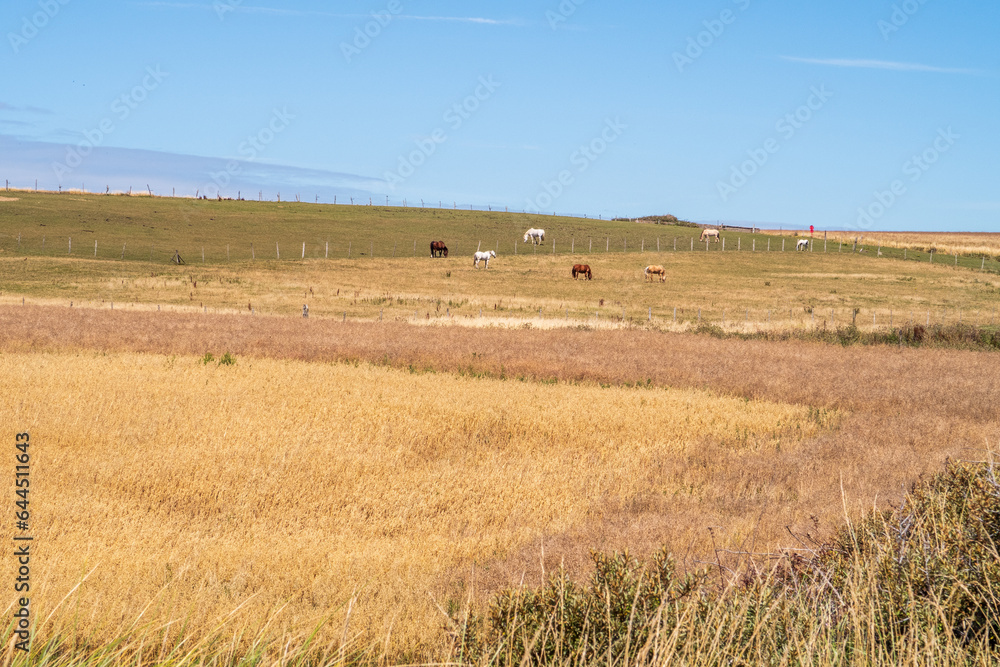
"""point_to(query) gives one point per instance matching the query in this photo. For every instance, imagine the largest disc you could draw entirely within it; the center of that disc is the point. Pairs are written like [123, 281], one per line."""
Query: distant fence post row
[338, 200]
[44, 246]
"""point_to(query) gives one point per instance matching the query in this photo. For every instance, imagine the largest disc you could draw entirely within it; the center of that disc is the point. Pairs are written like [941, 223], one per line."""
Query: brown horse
[656, 270]
[582, 270]
[439, 249]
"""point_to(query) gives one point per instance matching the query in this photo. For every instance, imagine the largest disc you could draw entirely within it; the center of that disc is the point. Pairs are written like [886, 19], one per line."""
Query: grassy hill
[269, 257]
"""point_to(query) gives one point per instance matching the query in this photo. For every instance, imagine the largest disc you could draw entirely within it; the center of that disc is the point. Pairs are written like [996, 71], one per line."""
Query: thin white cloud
[462, 19]
[251, 9]
[879, 64]
[29, 109]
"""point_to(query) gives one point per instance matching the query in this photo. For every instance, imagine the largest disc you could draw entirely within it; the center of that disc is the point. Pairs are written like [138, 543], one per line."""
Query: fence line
[323, 249]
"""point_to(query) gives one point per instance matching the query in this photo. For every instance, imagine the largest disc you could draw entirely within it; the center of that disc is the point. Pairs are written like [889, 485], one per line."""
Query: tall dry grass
[178, 491]
[902, 412]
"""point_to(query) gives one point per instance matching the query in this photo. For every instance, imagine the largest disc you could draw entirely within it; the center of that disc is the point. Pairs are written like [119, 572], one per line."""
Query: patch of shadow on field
[717, 507]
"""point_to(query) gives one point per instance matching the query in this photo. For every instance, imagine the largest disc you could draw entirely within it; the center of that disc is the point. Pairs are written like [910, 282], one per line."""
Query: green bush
[914, 584]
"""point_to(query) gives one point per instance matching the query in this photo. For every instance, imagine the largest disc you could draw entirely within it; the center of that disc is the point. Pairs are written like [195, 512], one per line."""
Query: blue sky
[871, 115]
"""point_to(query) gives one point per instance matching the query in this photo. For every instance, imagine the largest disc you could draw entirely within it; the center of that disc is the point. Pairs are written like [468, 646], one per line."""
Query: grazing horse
[656, 270]
[439, 249]
[536, 235]
[803, 244]
[582, 270]
[484, 256]
[710, 234]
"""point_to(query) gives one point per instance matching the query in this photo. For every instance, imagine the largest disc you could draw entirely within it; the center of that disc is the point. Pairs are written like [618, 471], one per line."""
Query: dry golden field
[462, 462]
[317, 487]
[740, 291]
[947, 243]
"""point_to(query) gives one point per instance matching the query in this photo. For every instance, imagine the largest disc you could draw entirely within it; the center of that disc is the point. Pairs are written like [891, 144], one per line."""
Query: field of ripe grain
[178, 490]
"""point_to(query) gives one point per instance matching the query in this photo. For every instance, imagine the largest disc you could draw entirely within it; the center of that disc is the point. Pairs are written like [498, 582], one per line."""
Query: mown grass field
[383, 476]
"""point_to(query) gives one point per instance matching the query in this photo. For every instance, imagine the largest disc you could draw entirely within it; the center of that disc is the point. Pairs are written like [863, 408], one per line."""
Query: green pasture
[389, 273]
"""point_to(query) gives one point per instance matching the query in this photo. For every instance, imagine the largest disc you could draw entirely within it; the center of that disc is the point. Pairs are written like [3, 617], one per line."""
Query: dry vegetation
[948, 243]
[335, 486]
[198, 487]
[743, 291]
[394, 472]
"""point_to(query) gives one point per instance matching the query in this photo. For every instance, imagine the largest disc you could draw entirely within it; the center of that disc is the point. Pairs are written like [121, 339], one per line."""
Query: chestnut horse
[656, 270]
[439, 249]
[582, 270]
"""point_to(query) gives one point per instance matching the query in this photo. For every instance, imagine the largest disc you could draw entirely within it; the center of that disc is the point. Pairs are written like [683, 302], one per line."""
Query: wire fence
[38, 243]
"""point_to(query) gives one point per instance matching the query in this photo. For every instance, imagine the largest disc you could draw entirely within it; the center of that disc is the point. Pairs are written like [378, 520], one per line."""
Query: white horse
[803, 244]
[484, 256]
[536, 235]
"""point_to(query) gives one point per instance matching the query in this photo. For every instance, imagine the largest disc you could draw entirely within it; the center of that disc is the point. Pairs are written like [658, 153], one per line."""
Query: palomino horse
[536, 235]
[483, 256]
[656, 270]
[710, 234]
[803, 244]
[439, 249]
[582, 270]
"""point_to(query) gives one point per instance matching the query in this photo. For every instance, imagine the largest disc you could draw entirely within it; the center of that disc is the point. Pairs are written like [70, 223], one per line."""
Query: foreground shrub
[919, 583]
